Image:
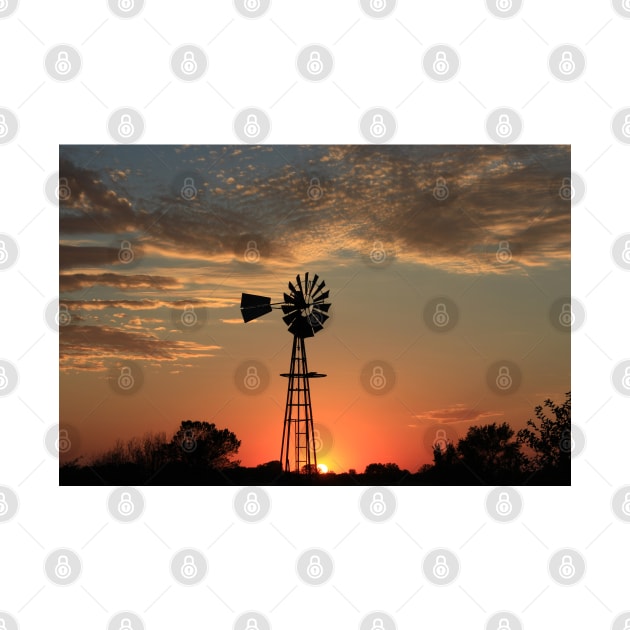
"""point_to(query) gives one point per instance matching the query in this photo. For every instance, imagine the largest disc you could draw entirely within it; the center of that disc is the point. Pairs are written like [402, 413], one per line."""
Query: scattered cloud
[455, 413]
[92, 347]
[367, 194]
[77, 281]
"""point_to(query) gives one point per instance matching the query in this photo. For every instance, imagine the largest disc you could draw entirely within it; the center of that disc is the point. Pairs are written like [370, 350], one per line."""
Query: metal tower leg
[298, 415]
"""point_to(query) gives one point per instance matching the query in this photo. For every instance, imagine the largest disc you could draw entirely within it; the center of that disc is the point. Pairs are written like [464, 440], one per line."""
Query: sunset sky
[393, 230]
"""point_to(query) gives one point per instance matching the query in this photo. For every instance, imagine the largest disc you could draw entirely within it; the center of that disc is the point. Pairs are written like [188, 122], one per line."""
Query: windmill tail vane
[305, 310]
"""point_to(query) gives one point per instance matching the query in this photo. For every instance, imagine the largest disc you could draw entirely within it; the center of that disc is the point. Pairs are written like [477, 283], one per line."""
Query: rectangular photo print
[315, 315]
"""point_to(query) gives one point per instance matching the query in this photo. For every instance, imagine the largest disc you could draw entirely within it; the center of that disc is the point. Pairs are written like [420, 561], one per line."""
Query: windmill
[305, 311]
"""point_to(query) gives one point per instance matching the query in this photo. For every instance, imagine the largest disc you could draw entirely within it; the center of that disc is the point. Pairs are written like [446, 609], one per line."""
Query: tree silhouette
[486, 454]
[490, 451]
[551, 441]
[382, 469]
[202, 445]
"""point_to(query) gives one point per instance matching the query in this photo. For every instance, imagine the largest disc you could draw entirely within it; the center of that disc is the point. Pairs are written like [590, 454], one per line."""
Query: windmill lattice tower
[305, 311]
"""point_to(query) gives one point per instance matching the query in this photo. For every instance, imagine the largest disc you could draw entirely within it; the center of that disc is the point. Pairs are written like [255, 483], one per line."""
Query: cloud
[144, 304]
[93, 347]
[72, 256]
[91, 206]
[367, 194]
[455, 413]
[77, 281]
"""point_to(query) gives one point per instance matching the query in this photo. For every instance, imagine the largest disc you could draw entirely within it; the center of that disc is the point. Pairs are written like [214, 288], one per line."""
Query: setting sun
[322, 468]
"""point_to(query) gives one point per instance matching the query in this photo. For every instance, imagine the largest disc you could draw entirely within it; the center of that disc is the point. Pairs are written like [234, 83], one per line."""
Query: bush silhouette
[551, 441]
[202, 445]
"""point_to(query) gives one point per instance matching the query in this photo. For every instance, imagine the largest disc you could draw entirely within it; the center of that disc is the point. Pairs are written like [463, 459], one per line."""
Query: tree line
[200, 453]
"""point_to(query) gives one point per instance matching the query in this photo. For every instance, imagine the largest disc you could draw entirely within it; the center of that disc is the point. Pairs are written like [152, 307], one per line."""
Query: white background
[252, 63]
